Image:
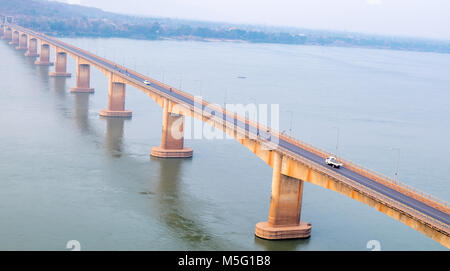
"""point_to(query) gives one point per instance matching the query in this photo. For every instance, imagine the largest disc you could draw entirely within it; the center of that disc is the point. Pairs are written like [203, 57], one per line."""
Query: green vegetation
[59, 19]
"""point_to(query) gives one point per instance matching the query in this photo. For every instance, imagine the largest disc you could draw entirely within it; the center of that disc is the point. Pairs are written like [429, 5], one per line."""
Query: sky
[415, 18]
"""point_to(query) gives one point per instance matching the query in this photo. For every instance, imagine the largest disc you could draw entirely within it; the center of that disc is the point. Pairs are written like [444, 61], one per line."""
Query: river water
[67, 174]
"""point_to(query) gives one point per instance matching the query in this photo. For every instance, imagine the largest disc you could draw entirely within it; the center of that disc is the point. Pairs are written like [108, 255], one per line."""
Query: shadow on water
[285, 245]
[30, 61]
[114, 136]
[59, 85]
[173, 210]
[43, 74]
[17, 52]
[81, 112]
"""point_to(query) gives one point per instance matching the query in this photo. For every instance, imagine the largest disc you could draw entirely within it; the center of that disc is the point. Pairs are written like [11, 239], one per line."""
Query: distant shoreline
[196, 39]
[64, 20]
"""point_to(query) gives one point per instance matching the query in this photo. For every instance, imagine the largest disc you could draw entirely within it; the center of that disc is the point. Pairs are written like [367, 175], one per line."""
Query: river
[68, 174]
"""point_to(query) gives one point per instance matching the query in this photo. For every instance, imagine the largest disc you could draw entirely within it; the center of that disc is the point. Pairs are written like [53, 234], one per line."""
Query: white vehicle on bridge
[332, 161]
[147, 82]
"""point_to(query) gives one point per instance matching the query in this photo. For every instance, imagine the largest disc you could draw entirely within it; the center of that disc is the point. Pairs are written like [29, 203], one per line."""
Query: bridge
[293, 161]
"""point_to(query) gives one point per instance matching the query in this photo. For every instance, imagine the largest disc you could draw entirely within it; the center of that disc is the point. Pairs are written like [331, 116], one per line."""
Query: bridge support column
[44, 56]
[116, 101]
[32, 48]
[83, 79]
[285, 207]
[23, 42]
[172, 141]
[60, 65]
[14, 38]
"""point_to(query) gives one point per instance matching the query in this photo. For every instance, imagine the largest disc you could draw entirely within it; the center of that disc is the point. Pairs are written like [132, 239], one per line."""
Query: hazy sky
[422, 18]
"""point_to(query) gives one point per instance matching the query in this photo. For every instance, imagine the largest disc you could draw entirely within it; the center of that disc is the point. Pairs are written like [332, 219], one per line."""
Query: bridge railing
[368, 191]
[373, 175]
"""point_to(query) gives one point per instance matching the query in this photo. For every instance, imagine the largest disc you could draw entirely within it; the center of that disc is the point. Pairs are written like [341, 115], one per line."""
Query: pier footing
[116, 114]
[265, 231]
[167, 153]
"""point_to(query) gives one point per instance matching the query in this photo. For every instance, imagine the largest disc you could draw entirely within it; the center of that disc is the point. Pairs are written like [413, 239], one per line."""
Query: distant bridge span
[292, 161]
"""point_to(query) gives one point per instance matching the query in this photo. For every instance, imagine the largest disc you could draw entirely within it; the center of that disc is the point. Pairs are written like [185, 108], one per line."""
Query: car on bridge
[332, 161]
[147, 82]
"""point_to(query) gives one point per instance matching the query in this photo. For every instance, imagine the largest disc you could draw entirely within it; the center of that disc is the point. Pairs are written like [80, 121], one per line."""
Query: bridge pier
[116, 101]
[83, 79]
[285, 207]
[32, 48]
[44, 56]
[172, 139]
[14, 38]
[60, 65]
[23, 42]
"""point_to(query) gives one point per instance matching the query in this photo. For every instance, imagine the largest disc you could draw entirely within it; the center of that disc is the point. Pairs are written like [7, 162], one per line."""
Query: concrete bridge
[293, 162]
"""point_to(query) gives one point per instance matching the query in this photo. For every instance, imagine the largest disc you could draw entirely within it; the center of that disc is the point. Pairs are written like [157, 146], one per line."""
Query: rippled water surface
[67, 174]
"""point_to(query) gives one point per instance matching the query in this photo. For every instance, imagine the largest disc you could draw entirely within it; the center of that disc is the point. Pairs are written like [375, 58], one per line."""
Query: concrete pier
[23, 42]
[14, 38]
[83, 79]
[44, 56]
[285, 208]
[32, 48]
[172, 139]
[60, 66]
[116, 101]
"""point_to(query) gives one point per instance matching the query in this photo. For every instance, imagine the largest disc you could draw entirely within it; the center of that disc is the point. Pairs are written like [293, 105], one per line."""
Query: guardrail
[369, 173]
[374, 194]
